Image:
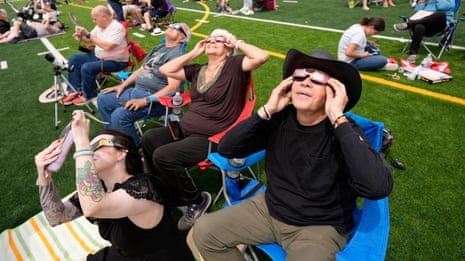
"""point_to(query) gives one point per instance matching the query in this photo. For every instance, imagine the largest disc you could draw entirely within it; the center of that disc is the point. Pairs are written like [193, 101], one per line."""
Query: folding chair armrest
[123, 75]
[223, 162]
[166, 100]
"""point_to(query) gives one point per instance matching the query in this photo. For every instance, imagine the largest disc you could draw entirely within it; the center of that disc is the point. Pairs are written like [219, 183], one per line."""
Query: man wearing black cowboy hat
[317, 163]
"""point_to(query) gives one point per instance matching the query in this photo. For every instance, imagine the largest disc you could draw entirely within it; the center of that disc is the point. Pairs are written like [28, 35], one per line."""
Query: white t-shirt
[114, 33]
[356, 35]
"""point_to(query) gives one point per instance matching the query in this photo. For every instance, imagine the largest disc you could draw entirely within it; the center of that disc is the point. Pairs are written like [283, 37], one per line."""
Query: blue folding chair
[369, 238]
[443, 39]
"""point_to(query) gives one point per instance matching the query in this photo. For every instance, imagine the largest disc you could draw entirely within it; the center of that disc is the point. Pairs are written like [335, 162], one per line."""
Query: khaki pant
[216, 235]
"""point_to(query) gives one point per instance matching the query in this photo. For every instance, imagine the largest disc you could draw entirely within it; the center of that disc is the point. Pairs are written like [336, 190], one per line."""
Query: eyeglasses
[218, 39]
[105, 143]
[316, 77]
[178, 28]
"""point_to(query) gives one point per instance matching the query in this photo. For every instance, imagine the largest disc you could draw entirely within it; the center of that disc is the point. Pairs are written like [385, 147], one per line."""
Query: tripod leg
[56, 83]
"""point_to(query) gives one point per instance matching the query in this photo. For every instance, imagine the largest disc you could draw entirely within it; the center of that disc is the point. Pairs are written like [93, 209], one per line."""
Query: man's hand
[118, 89]
[336, 98]
[135, 104]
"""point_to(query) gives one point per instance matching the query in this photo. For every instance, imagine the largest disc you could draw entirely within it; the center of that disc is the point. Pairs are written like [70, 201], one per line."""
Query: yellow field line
[413, 89]
[389, 83]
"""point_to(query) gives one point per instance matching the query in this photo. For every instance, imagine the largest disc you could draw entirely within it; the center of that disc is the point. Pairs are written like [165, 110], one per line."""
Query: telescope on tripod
[61, 85]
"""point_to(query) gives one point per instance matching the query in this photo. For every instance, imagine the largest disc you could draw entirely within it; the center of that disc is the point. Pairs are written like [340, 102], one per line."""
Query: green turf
[427, 221]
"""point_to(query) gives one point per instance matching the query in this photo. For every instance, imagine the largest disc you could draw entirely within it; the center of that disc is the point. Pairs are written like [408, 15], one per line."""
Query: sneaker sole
[183, 224]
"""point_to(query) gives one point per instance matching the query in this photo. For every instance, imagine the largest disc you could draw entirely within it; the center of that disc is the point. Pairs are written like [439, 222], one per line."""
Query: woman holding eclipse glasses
[217, 91]
[112, 192]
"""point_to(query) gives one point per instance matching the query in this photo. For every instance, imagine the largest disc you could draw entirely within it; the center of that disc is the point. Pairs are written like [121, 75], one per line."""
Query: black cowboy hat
[324, 61]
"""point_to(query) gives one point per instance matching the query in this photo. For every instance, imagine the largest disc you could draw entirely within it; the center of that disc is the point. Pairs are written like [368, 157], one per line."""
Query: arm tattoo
[88, 182]
[54, 209]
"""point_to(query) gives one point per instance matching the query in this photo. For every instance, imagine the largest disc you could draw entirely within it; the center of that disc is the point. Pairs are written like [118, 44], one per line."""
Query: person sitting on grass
[114, 193]
[128, 102]
[355, 49]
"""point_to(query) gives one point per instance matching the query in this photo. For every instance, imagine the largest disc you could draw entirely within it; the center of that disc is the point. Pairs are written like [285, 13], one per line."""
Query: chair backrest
[247, 110]
[451, 24]
[369, 238]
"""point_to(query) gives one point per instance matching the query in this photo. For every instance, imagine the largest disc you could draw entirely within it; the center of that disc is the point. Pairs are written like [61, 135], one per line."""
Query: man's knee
[201, 232]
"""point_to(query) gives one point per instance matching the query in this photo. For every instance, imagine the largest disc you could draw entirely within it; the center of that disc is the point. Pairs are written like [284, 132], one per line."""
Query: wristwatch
[88, 35]
[148, 99]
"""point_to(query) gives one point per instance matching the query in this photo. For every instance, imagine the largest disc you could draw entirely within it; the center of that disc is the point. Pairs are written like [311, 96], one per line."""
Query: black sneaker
[194, 211]
[400, 27]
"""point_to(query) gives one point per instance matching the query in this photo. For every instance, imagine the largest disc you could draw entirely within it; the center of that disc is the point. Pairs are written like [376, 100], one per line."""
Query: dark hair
[134, 165]
[377, 22]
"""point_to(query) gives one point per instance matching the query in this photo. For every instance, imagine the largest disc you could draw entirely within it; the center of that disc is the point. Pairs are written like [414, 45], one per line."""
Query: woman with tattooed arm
[112, 192]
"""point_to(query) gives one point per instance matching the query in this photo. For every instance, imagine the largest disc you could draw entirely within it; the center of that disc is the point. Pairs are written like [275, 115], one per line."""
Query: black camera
[61, 65]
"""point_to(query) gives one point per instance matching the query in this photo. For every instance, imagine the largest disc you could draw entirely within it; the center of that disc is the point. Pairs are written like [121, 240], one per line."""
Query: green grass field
[427, 220]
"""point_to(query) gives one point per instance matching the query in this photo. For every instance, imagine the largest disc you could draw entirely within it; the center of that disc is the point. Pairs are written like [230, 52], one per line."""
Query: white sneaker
[248, 12]
[390, 67]
[243, 10]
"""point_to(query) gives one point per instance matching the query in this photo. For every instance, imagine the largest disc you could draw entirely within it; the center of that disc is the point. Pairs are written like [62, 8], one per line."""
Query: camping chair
[442, 39]
[247, 110]
[368, 240]
[165, 101]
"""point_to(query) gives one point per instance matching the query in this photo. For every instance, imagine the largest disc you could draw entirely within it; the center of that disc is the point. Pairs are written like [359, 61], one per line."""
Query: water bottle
[177, 102]
[426, 63]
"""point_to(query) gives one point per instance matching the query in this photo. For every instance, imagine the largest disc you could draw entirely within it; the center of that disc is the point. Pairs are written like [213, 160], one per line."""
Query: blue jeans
[112, 110]
[116, 6]
[84, 69]
[369, 63]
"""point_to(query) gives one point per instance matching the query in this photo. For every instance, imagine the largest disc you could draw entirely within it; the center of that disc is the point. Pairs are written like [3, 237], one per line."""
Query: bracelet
[337, 119]
[268, 115]
[154, 98]
[83, 152]
[236, 46]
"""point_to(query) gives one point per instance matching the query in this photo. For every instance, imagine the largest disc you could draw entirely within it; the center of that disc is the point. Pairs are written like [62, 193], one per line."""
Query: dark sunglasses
[316, 76]
[218, 39]
[178, 28]
[105, 143]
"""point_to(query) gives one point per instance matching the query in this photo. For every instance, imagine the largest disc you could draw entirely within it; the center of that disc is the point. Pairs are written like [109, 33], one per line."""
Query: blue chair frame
[369, 237]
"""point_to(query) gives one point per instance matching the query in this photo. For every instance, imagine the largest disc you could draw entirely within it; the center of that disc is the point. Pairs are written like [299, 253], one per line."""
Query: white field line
[399, 39]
